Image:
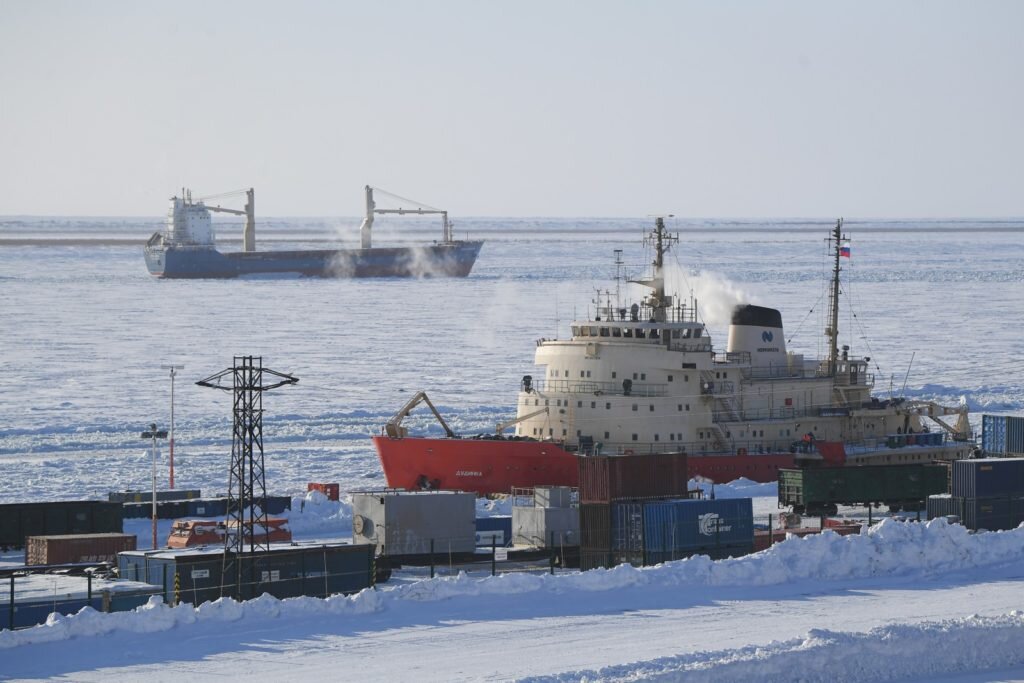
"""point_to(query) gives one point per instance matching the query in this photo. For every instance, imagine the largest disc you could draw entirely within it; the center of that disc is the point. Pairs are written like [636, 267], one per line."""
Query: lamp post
[170, 441]
[154, 434]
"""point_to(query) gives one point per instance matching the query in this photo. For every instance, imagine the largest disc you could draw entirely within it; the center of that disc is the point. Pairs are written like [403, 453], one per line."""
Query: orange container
[332, 491]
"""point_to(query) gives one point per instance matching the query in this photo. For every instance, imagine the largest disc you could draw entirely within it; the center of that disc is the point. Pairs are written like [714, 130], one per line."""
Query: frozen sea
[936, 304]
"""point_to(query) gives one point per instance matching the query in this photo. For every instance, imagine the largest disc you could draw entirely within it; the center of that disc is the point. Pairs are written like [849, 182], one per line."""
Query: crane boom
[502, 426]
[394, 427]
[366, 240]
[249, 232]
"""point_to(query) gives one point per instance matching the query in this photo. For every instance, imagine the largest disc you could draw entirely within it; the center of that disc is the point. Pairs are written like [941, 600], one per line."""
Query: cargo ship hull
[454, 259]
[489, 466]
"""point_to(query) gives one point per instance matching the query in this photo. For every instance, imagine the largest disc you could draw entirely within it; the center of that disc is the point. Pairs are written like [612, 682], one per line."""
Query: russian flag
[844, 249]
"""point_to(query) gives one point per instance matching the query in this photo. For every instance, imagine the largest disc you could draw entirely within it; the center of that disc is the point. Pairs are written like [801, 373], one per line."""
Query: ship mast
[832, 331]
[662, 241]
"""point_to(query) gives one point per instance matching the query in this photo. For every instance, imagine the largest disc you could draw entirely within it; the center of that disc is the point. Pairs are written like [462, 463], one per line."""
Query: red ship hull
[497, 465]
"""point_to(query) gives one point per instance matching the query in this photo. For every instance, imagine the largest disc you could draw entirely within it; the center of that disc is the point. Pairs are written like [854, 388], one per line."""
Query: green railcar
[823, 489]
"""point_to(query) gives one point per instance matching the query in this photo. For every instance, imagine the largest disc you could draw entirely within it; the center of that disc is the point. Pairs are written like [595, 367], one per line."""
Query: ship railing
[739, 446]
[571, 386]
[782, 413]
[732, 358]
[689, 345]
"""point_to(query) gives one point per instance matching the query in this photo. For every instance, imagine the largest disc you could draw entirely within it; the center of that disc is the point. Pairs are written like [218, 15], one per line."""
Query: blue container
[685, 525]
[497, 528]
[1002, 435]
[988, 477]
[993, 514]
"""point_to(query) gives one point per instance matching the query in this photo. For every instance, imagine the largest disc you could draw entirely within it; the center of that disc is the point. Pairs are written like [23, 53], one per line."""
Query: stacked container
[550, 519]
[637, 510]
[985, 494]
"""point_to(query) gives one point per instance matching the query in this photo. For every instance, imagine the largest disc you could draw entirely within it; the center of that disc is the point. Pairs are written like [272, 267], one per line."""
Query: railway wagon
[821, 490]
[20, 520]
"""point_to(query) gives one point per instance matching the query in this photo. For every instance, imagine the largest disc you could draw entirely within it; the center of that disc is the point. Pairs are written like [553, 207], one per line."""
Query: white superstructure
[647, 379]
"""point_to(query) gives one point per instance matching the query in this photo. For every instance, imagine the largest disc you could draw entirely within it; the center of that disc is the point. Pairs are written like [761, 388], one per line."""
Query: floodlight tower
[247, 486]
[170, 441]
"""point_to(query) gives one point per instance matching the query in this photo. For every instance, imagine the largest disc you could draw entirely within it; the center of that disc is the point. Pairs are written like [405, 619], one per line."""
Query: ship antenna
[618, 278]
[832, 331]
[662, 242]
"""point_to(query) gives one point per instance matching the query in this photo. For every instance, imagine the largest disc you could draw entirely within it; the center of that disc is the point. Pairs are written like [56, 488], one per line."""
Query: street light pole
[170, 441]
[154, 434]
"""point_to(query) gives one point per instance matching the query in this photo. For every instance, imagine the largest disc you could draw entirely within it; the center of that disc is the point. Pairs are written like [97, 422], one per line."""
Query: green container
[893, 485]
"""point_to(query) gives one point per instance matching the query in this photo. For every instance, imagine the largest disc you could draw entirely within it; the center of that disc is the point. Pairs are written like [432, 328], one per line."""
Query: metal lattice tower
[247, 486]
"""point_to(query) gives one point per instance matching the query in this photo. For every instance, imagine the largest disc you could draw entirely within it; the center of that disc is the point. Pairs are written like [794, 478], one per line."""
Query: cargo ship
[187, 248]
[646, 378]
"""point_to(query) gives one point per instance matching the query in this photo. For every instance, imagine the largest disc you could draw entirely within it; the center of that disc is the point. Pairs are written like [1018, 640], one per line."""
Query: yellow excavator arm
[394, 427]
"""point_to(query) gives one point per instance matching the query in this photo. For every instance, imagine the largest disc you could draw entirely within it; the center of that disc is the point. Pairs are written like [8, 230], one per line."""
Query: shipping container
[610, 478]
[993, 514]
[147, 496]
[821, 489]
[988, 477]
[21, 520]
[595, 559]
[406, 523]
[1002, 435]
[497, 529]
[74, 548]
[596, 527]
[540, 527]
[675, 525]
[944, 505]
[208, 507]
[316, 570]
[552, 496]
[276, 505]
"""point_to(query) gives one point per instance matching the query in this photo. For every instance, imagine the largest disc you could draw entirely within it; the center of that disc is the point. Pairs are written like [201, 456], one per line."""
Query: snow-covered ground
[901, 601]
[86, 329]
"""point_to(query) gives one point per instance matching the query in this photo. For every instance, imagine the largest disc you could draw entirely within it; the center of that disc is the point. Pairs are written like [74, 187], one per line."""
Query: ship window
[604, 331]
[680, 407]
[640, 334]
[725, 375]
[575, 331]
[608, 406]
[627, 332]
[579, 404]
[687, 406]
[551, 432]
[670, 378]
[563, 432]
[675, 334]
[652, 407]
[634, 408]
[656, 437]
[672, 437]
[634, 437]
[718, 375]
[606, 435]
[654, 334]
[686, 378]
[635, 376]
[578, 432]
[696, 333]
[613, 374]
[536, 401]
[593, 331]
[581, 373]
[584, 332]
[588, 374]
[547, 402]
[593, 404]
[686, 334]
[616, 332]
[643, 375]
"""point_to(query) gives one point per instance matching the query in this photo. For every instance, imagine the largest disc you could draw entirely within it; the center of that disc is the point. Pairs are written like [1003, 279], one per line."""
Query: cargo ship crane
[422, 210]
[249, 233]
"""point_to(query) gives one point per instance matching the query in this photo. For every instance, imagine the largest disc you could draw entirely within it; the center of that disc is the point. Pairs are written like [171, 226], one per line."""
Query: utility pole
[154, 434]
[170, 441]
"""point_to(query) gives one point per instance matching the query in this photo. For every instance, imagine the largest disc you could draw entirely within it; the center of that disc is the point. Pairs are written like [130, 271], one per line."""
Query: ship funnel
[758, 331]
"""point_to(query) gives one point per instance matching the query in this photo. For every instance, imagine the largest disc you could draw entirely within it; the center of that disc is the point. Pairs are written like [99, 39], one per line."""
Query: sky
[527, 108]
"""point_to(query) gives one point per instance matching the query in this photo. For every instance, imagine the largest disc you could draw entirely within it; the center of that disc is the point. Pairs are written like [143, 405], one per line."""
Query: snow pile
[888, 549]
[918, 651]
[313, 514]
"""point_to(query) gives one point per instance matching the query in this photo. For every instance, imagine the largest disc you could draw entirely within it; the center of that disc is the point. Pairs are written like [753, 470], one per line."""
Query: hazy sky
[516, 108]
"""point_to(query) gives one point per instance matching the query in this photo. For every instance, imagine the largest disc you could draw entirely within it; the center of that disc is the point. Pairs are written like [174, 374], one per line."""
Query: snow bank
[919, 651]
[313, 514]
[888, 549]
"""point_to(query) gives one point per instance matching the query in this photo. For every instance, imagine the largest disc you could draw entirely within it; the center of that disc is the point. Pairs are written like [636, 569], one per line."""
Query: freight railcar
[821, 490]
